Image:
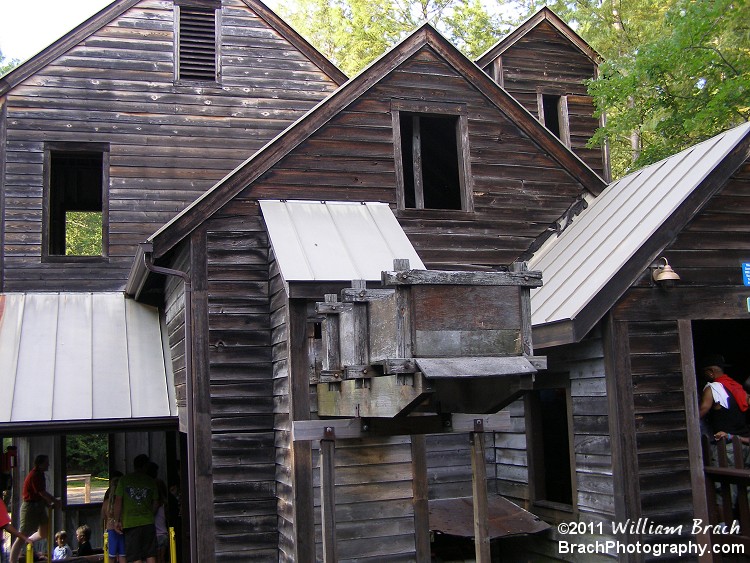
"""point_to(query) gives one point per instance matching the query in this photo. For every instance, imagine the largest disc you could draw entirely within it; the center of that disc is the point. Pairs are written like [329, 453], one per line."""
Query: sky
[28, 27]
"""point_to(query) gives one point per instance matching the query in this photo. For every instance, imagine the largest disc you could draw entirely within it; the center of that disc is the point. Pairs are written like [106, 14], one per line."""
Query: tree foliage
[6, 65]
[352, 33]
[683, 82]
[87, 454]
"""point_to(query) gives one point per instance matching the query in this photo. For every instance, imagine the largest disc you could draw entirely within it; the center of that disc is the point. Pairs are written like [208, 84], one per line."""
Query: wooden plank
[427, 277]
[328, 497]
[420, 498]
[692, 417]
[479, 497]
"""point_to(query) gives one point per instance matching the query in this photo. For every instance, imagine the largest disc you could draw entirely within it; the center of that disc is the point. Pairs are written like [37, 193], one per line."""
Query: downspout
[151, 267]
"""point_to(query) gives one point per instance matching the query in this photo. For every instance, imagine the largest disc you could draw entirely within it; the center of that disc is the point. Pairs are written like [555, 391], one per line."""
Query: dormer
[544, 64]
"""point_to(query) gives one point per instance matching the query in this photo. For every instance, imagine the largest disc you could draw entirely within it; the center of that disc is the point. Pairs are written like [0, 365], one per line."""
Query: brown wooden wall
[545, 61]
[518, 189]
[174, 312]
[168, 142]
[241, 386]
[593, 489]
[707, 254]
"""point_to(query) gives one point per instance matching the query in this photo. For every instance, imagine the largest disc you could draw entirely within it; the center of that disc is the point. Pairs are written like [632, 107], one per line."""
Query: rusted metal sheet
[455, 516]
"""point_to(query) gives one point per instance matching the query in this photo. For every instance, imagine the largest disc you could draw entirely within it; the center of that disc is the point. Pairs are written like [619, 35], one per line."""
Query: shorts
[161, 541]
[33, 515]
[140, 542]
[115, 543]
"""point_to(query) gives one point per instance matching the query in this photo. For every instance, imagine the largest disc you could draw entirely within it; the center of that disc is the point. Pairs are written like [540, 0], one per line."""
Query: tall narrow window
[76, 201]
[432, 159]
[549, 446]
[196, 44]
[553, 112]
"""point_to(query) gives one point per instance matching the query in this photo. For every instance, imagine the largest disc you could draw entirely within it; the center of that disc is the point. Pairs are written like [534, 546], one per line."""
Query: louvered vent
[197, 43]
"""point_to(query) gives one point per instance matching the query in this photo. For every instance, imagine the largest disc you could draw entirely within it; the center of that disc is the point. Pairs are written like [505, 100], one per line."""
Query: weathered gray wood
[421, 494]
[331, 339]
[466, 367]
[328, 496]
[479, 496]
[434, 277]
[386, 396]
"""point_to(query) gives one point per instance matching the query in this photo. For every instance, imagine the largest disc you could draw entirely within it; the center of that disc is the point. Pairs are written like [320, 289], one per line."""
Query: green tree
[352, 33]
[686, 83]
[87, 454]
[6, 65]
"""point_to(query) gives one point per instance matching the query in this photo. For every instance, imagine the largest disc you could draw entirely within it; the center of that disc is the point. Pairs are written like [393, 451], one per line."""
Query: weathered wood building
[356, 146]
[171, 113]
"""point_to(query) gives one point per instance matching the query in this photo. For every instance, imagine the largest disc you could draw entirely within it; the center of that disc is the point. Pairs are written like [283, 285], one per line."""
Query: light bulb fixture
[663, 274]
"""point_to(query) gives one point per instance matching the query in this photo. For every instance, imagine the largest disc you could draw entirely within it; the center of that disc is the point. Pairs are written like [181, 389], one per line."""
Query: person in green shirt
[136, 501]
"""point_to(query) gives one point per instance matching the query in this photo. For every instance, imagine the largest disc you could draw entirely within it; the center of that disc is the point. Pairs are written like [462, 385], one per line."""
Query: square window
[75, 199]
[432, 166]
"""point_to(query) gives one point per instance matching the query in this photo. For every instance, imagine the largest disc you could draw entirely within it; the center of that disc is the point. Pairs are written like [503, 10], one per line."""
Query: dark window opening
[75, 204]
[431, 161]
[197, 43]
[551, 108]
[551, 444]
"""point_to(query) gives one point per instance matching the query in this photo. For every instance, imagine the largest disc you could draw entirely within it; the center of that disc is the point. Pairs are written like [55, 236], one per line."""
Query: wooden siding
[594, 500]
[518, 189]
[661, 432]
[174, 310]
[168, 142]
[544, 61]
[241, 386]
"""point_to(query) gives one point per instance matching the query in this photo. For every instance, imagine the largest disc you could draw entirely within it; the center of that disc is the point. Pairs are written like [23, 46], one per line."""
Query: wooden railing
[727, 485]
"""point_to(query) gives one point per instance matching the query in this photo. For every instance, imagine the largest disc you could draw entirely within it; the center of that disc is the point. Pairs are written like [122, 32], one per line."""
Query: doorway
[731, 339]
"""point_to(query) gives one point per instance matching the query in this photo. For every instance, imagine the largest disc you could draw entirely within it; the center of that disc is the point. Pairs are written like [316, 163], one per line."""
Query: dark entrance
[731, 339]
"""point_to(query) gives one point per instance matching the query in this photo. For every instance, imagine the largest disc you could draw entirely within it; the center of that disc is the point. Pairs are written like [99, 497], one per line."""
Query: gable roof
[426, 36]
[609, 245]
[119, 7]
[543, 15]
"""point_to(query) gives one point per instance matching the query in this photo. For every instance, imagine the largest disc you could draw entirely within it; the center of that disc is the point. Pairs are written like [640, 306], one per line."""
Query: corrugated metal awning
[335, 240]
[82, 357]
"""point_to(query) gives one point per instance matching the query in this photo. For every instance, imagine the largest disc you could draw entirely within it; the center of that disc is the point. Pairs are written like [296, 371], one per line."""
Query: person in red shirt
[36, 500]
[7, 526]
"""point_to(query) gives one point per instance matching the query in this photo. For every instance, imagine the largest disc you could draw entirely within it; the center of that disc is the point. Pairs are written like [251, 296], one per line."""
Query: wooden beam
[345, 428]
[619, 383]
[327, 495]
[692, 418]
[437, 277]
[479, 493]
[299, 409]
[420, 498]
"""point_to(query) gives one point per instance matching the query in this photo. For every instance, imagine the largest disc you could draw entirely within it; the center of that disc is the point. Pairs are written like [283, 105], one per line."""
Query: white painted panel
[285, 240]
[111, 378]
[11, 316]
[73, 397]
[321, 242]
[148, 381]
[394, 236]
[33, 393]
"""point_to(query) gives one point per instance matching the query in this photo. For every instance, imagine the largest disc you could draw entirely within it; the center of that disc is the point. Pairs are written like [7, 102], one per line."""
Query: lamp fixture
[664, 274]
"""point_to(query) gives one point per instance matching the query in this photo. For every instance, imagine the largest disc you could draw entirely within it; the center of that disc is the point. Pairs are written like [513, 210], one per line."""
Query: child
[83, 535]
[62, 551]
[7, 526]
[115, 540]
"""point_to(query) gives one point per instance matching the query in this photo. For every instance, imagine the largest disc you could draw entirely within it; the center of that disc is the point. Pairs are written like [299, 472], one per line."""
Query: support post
[421, 502]
[327, 495]
[479, 492]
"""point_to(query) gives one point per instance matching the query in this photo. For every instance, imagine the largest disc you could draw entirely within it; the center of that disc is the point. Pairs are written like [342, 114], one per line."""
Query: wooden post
[327, 495]
[403, 314]
[360, 336]
[479, 490]
[331, 350]
[421, 503]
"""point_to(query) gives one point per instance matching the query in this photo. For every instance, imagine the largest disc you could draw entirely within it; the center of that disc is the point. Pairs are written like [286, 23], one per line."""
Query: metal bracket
[478, 425]
[329, 433]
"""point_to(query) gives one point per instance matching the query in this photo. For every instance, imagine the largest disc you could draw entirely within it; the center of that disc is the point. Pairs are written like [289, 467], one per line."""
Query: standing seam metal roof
[578, 264]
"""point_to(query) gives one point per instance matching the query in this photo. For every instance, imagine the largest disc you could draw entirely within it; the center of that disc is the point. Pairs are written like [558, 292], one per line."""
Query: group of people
[133, 513]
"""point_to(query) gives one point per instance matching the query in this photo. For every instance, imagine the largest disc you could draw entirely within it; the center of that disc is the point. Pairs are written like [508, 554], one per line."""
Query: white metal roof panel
[334, 240]
[578, 264]
[82, 356]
